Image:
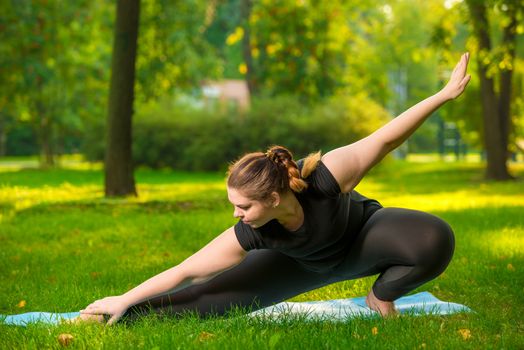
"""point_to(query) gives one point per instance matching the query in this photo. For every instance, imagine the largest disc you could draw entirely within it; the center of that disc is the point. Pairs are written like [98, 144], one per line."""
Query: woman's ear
[275, 199]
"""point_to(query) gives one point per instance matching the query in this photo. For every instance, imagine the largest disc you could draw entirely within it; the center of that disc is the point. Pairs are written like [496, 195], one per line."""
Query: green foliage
[176, 135]
[172, 52]
[55, 59]
[181, 136]
[453, 34]
[300, 47]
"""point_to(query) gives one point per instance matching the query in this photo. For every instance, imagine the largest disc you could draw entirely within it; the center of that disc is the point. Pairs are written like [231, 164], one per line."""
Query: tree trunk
[495, 125]
[44, 132]
[3, 135]
[119, 180]
[245, 12]
[506, 75]
[47, 158]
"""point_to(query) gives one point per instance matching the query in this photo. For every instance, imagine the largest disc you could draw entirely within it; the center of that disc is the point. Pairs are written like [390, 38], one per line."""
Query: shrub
[179, 135]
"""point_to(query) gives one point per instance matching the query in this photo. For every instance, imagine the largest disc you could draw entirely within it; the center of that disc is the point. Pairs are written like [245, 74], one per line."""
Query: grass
[64, 245]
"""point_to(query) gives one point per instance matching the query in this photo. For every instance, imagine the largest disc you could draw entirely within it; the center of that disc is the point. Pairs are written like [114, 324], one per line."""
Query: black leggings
[406, 247]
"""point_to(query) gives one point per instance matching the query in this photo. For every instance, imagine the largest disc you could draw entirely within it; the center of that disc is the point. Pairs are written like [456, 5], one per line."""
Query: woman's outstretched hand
[115, 307]
[458, 80]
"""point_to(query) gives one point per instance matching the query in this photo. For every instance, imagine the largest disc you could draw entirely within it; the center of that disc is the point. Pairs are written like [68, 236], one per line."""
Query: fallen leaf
[65, 339]
[21, 304]
[374, 330]
[203, 336]
[511, 267]
[465, 333]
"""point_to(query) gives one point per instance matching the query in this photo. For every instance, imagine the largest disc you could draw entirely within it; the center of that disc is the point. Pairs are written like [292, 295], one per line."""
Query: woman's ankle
[384, 308]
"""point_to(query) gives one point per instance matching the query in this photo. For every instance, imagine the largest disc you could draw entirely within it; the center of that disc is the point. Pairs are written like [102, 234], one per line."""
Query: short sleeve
[322, 181]
[248, 238]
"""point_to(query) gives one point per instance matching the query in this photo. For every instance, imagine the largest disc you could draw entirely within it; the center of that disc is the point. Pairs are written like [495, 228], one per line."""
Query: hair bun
[279, 155]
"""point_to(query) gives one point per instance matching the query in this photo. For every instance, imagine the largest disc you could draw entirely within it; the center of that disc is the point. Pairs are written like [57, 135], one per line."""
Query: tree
[496, 102]
[296, 47]
[52, 55]
[119, 180]
[245, 11]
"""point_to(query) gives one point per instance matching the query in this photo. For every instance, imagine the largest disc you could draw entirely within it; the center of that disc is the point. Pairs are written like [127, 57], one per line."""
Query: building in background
[228, 94]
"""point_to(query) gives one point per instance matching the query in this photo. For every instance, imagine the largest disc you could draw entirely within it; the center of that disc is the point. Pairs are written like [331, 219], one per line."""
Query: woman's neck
[289, 212]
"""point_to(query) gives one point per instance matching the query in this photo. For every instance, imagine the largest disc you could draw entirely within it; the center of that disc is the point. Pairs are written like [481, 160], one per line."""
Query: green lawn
[64, 246]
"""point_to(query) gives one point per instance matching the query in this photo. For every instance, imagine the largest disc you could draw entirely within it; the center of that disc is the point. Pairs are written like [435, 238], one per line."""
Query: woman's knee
[437, 242]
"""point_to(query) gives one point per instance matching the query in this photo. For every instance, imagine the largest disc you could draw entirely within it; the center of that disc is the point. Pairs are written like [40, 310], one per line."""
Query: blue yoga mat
[419, 304]
[423, 303]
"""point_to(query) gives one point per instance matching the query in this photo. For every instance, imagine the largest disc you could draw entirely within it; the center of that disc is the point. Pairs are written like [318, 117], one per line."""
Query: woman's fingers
[92, 309]
[464, 63]
[465, 81]
[113, 320]
[461, 67]
[459, 78]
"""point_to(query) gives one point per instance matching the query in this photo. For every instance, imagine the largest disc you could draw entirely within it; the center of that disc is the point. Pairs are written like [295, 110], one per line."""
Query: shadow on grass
[150, 207]
[34, 178]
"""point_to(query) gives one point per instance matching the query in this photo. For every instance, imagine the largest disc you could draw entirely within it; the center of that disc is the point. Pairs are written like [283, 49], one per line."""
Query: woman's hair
[259, 174]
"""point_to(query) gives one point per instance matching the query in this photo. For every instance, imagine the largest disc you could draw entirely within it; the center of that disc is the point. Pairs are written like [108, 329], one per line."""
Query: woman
[301, 227]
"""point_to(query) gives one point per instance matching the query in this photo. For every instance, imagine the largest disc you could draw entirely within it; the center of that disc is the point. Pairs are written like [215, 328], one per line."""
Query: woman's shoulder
[321, 180]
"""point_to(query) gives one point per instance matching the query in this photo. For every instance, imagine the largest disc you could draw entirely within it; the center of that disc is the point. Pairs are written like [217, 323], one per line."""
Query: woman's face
[252, 212]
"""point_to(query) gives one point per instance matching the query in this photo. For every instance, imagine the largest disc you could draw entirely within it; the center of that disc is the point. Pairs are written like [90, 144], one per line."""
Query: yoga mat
[423, 303]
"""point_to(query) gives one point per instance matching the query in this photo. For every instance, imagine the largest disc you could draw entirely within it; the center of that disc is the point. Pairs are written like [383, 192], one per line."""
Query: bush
[183, 136]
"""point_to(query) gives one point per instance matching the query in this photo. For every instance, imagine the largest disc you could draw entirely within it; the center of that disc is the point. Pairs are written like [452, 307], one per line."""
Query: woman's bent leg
[407, 247]
[263, 278]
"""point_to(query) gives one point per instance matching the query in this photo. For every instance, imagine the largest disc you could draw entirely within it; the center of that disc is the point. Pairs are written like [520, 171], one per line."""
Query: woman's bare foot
[384, 308]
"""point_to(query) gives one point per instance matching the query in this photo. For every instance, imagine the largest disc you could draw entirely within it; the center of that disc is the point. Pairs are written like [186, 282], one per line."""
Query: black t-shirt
[332, 221]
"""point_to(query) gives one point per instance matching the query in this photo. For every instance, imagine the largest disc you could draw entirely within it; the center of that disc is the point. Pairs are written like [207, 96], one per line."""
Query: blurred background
[214, 79]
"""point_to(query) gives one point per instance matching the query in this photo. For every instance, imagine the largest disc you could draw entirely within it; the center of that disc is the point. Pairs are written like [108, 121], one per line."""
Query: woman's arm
[350, 163]
[221, 254]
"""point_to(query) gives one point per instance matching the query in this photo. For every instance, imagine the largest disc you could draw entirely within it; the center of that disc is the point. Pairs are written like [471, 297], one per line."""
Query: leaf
[465, 333]
[203, 336]
[65, 339]
[21, 304]
[374, 330]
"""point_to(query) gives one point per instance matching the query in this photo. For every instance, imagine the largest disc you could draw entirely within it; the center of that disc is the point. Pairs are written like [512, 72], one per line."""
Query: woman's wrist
[128, 299]
[443, 96]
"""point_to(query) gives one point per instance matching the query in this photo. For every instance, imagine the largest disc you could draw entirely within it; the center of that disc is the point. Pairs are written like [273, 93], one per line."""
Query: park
[118, 123]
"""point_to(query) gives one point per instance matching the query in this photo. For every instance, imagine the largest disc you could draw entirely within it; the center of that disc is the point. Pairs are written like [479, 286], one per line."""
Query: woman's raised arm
[350, 163]
[222, 253]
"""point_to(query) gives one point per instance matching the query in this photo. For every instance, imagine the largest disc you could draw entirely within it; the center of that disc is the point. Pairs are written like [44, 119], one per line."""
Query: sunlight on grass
[177, 192]
[18, 198]
[65, 245]
[451, 200]
[506, 242]
[22, 198]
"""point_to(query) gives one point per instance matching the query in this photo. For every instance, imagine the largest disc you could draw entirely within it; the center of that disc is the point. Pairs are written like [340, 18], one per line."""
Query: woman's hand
[113, 306]
[458, 80]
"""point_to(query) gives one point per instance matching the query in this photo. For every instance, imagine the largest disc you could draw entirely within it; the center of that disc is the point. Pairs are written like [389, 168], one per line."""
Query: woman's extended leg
[407, 247]
[263, 278]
